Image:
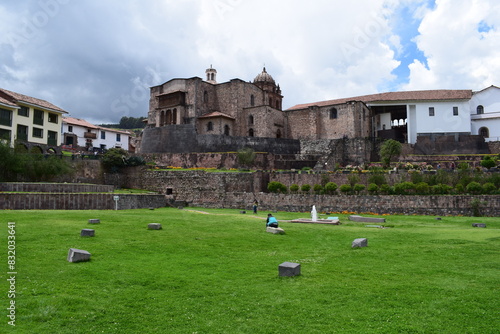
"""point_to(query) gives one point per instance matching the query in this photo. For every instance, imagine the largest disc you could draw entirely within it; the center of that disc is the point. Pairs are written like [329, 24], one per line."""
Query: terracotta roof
[418, 95]
[79, 122]
[7, 102]
[16, 97]
[216, 114]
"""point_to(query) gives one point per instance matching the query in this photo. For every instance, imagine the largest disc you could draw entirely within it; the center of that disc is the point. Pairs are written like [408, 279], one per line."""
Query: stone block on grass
[94, 221]
[87, 232]
[287, 269]
[154, 226]
[78, 255]
[360, 242]
[275, 230]
[356, 218]
[478, 225]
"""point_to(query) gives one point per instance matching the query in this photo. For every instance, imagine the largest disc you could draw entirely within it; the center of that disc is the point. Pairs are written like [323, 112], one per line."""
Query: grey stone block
[275, 230]
[360, 242]
[289, 269]
[78, 255]
[94, 221]
[356, 218]
[154, 226]
[478, 225]
[87, 232]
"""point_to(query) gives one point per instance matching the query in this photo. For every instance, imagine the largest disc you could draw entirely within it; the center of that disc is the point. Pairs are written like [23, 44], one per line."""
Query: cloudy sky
[97, 58]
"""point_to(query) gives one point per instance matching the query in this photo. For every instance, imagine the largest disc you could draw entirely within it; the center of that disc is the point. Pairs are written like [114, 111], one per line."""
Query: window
[431, 111]
[333, 113]
[278, 133]
[250, 133]
[70, 128]
[480, 110]
[250, 119]
[52, 138]
[5, 134]
[5, 117]
[226, 130]
[103, 135]
[118, 137]
[455, 111]
[205, 96]
[52, 118]
[252, 100]
[38, 117]
[37, 132]
[22, 132]
[24, 111]
[484, 132]
[210, 126]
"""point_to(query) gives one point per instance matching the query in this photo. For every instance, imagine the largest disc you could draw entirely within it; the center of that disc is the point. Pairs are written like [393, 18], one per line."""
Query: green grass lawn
[216, 271]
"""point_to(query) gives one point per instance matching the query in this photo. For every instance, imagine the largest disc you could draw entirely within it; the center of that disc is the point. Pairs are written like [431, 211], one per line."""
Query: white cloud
[458, 55]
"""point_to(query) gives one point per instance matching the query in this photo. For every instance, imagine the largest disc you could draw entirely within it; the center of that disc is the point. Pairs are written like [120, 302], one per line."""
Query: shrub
[422, 188]
[345, 188]
[377, 178]
[317, 188]
[246, 156]
[294, 188]
[358, 187]
[276, 187]
[331, 188]
[474, 188]
[460, 188]
[390, 149]
[305, 188]
[441, 189]
[372, 188]
[135, 161]
[114, 159]
[386, 189]
[489, 188]
[404, 188]
[488, 162]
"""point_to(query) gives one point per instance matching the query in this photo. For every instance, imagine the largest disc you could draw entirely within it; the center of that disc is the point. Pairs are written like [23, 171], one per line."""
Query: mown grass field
[216, 271]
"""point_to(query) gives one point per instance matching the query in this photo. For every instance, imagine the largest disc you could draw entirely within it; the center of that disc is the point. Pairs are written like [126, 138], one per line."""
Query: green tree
[318, 188]
[246, 156]
[389, 150]
[294, 188]
[373, 188]
[474, 188]
[305, 188]
[488, 162]
[114, 159]
[358, 187]
[345, 188]
[276, 187]
[331, 188]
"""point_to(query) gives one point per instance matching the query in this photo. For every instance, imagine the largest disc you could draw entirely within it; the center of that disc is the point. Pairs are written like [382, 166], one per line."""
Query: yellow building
[30, 121]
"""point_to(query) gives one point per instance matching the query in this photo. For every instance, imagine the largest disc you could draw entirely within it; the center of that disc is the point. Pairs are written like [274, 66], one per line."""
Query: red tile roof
[216, 114]
[16, 97]
[7, 102]
[419, 95]
[79, 122]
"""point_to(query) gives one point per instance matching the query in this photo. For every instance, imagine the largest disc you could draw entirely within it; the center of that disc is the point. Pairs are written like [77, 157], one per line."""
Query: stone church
[196, 115]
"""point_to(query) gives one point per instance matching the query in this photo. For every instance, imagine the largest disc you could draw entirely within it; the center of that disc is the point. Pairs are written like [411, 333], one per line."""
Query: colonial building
[29, 121]
[79, 134]
[195, 115]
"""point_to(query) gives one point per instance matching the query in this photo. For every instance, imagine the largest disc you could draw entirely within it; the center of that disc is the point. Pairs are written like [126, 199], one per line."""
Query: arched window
[252, 100]
[250, 119]
[271, 102]
[333, 113]
[278, 133]
[226, 130]
[250, 133]
[484, 132]
[480, 110]
[168, 117]
[210, 126]
[174, 116]
[205, 96]
[162, 117]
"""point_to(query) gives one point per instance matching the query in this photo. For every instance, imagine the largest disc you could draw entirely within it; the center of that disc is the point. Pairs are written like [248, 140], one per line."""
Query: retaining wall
[72, 201]
[56, 187]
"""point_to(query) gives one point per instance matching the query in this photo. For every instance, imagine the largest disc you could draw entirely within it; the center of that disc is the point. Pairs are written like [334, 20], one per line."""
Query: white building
[485, 113]
[29, 121]
[78, 133]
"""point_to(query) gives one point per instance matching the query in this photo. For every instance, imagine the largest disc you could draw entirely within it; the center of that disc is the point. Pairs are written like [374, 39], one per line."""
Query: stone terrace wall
[238, 191]
[70, 201]
[56, 187]
[382, 204]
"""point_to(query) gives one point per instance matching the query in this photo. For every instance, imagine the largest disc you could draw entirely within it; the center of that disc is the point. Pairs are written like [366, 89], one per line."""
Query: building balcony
[90, 135]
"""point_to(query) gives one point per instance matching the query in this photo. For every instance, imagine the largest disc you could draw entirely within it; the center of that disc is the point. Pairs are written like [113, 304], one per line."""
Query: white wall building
[78, 133]
[485, 113]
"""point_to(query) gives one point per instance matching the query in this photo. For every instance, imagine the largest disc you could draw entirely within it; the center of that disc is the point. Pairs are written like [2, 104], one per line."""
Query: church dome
[263, 77]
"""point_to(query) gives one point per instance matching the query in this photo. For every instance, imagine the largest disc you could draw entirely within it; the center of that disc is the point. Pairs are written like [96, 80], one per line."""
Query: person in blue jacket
[271, 221]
